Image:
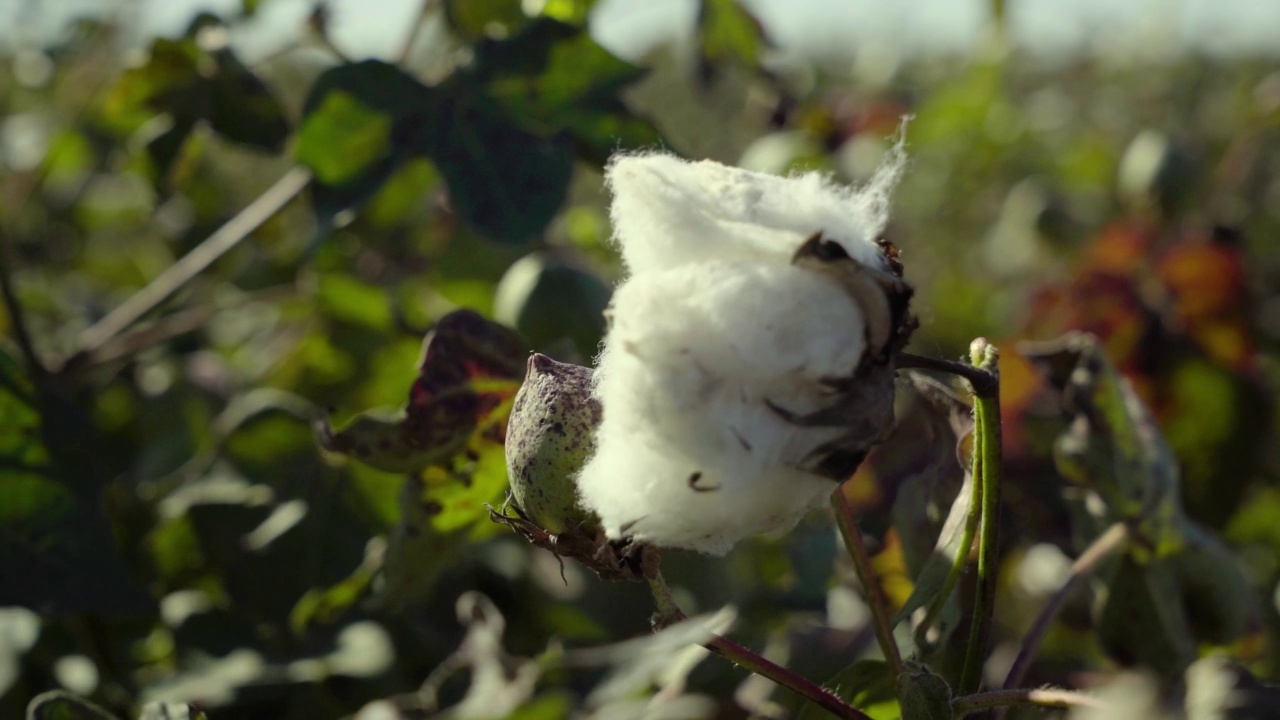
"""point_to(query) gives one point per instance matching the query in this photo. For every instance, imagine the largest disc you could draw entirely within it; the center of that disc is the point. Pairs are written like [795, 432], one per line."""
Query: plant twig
[881, 618]
[987, 462]
[131, 342]
[1040, 697]
[415, 30]
[750, 661]
[195, 262]
[1107, 543]
[984, 381]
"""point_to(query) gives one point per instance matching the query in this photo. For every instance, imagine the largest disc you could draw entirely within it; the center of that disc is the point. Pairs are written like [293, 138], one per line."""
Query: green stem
[1041, 697]
[881, 618]
[744, 658]
[987, 455]
[195, 262]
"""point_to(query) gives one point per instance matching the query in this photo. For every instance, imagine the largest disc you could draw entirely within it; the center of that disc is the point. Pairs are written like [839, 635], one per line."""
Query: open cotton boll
[690, 452]
[667, 211]
[748, 366]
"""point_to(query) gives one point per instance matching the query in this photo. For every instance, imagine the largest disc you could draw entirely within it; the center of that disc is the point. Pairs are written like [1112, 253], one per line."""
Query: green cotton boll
[550, 435]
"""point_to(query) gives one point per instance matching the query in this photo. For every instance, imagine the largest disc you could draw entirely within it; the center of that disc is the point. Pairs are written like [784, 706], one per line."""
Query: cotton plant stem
[750, 661]
[985, 383]
[881, 618]
[987, 462]
[1039, 697]
[197, 261]
[1107, 543]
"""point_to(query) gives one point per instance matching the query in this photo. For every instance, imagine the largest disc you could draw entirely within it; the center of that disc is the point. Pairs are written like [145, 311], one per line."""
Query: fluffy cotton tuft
[714, 330]
[668, 212]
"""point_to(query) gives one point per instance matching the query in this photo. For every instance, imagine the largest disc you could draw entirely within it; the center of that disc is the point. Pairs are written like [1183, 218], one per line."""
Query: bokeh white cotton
[725, 335]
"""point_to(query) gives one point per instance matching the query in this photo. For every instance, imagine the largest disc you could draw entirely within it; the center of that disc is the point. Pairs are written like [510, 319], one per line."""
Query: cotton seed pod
[549, 437]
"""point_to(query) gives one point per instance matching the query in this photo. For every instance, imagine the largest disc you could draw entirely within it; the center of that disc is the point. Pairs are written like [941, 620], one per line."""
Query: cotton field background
[235, 480]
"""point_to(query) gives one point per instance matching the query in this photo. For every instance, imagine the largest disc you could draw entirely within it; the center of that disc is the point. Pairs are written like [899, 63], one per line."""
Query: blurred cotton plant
[748, 361]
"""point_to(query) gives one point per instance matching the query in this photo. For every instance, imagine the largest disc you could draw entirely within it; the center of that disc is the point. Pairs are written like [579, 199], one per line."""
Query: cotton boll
[691, 454]
[668, 211]
[748, 365]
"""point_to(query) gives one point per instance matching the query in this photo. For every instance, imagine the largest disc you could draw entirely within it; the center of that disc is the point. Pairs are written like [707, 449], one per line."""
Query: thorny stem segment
[881, 618]
[1041, 697]
[1107, 543]
[986, 463]
[750, 661]
[195, 262]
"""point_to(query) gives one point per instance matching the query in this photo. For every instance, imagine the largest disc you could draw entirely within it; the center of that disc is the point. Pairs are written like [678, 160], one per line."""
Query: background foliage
[180, 521]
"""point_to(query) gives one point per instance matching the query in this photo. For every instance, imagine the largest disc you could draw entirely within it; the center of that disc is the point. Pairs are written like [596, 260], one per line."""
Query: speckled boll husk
[550, 435]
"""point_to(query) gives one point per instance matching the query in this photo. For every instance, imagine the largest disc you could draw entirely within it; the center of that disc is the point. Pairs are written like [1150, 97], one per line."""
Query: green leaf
[552, 78]
[568, 11]
[1115, 446]
[937, 568]
[342, 138]
[167, 148]
[361, 121]
[868, 685]
[552, 302]
[243, 109]
[346, 298]
[324, 606]
[470, 373]
[170, 711]
[190, 82]
[727, 31]
[925, 696]
[168, 75]
[1178, 585]
[548, 706]
[403, 194]
[1142, 623]
[416, 549]
[472, 20]
[57, 552]
[505, 182]
[1220, 602]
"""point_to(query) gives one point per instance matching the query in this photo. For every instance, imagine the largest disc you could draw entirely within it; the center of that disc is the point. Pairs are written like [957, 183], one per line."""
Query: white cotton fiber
[712, 333]
[694, 354]
[667, 211]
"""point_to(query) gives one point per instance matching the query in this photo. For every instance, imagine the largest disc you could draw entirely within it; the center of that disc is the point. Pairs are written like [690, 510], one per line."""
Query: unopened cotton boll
[746, 366]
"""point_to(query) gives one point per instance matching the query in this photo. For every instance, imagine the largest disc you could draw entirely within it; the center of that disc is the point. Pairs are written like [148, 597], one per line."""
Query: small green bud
[550, 436]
